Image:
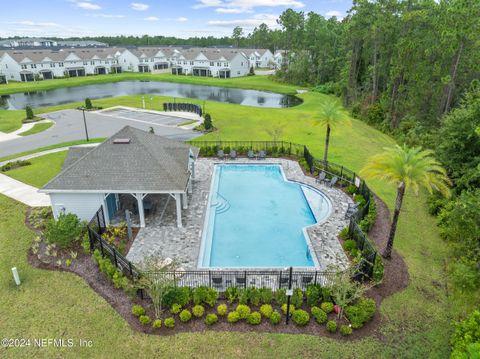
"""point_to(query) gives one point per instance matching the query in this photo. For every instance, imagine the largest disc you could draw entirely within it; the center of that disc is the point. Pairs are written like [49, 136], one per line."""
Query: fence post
[209, 278]
[289, 296]
[101, 247]
[315, 279]
[245, 284]
[130, 268]
[115, 257]
[280, 280]
[90, 237]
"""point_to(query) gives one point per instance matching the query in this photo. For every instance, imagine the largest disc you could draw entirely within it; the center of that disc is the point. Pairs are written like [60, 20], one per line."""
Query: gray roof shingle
[148, 164]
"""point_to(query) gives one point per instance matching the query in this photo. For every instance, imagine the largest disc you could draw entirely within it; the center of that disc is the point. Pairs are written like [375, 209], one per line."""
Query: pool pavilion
[130, 170]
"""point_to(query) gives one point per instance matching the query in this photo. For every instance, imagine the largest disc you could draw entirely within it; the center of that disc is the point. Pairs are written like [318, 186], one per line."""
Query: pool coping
[204, 251]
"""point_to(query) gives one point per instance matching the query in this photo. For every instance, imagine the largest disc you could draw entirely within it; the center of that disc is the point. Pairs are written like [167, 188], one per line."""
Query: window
[60, 64]
[6, 66]
[92, 62]
[212, 64]
[85, 63]
[184, 62]
[242, 64]
[24, 66]
[52, 64]
[219, 64]
[226, 64]
[33, 66]
[191, 62]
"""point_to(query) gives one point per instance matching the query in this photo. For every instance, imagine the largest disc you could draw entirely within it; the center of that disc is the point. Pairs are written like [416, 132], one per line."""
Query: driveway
[69, 127]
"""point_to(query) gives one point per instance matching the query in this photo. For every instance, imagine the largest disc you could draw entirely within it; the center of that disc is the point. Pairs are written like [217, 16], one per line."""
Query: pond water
[175, 90]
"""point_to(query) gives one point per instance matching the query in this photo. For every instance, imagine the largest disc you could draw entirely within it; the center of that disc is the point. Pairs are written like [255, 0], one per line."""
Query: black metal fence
[222, 279]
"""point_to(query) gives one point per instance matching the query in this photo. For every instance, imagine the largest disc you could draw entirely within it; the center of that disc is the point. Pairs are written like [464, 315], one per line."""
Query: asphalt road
[69, 127]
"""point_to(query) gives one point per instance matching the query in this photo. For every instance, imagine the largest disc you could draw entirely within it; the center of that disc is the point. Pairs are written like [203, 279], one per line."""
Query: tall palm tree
[330, 114]
[406, 167]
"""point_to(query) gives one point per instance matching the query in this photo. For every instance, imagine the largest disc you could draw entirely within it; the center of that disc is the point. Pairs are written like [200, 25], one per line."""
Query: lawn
[42, 169]
[417, 321]
[38, 127]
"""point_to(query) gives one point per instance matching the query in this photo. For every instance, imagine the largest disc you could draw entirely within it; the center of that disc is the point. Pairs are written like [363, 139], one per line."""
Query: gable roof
[147, 164]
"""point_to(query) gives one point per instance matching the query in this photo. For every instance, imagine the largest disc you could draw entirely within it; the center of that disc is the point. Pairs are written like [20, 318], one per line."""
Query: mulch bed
[396, 278]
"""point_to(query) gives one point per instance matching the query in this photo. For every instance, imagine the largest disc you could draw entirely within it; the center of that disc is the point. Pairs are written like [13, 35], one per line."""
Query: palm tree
[406, 167]
[330, 114]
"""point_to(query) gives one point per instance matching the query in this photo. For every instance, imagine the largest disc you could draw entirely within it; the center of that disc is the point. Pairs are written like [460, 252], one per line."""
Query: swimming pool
[256, 219]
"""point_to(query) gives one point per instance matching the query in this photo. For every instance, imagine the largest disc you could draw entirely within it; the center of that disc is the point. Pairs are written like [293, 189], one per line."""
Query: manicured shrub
[198, 310]
[344, 233]
[185, 315]
[349, 245]
[254, 296]
[177, 295]
[222, 310]
[211, 319]
[266, 310]
[319, 315]
[351, 189]
[297, 298]
[243, 296]
[176, 308]
[313, 294]
[231, 294]
[169, 322]
[360, 200]
[243, 311]
[233, 317]
[300, 317]
[327, 307]
[284, 308]
[281, 296]
[88, 104]
[275, 318]
[361, 312]
[144, 319]
[157, 323]
[266, 295]
[254, 318]
[205, 295]
[207, 122]
[137, 310]
[29, 113]
[346, 330]
[332, 326]
[64, 231]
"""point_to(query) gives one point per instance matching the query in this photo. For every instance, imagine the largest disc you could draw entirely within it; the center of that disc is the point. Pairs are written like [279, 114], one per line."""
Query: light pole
[85, 123]
[289, 295]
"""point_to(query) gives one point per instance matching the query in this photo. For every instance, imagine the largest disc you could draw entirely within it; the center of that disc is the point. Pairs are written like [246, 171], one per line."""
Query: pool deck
[161, 236]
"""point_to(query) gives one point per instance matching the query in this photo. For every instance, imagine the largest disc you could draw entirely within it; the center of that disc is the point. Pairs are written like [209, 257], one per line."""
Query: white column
[178, 201]
[190, 186]
[105, 209]
[193, 169]
[184, 201]
[141, 211]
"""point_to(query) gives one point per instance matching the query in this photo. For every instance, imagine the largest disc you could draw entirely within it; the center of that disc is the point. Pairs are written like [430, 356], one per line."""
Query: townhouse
[259, 58]
[44, 64]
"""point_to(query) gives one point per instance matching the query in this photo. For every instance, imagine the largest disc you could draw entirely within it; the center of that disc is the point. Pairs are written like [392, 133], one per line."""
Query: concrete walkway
[16, 134]
[23, 192]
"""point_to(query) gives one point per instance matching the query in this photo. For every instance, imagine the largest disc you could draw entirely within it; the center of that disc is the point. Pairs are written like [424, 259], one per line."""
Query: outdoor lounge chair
[307, 279]
[321, 177]
[240, 281]
[251, 155]
[233, 155]
[262, 155]
[217, 282]
[220, 155]
[332, 182]
[351, 210]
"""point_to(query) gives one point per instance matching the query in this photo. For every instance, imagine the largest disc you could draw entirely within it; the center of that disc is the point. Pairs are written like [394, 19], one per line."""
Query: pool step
[221, 205]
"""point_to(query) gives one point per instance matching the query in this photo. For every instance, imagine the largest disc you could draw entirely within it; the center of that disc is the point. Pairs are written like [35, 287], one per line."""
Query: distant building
[45, 64]
[28, 42]
[82, 43]
[259, 58]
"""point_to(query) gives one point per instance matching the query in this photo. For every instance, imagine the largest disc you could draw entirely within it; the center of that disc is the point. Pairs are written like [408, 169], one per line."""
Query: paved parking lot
[156, 118]
[69, 127]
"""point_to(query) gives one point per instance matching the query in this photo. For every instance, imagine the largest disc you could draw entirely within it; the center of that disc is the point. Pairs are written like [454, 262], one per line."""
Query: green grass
[186, 123]
[38, 127]
[416, 323]
[42, 169]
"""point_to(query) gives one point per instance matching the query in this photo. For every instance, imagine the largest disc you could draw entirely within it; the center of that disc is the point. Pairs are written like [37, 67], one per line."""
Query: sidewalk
[23, 192]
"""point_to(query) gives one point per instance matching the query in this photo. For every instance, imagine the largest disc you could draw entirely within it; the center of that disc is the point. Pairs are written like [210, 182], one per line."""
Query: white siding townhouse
[280, 58]
[210, 62]
[259, 58]
[29, 65]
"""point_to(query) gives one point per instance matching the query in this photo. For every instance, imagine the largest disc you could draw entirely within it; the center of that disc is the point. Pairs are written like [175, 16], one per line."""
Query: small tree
[156, 279]
[252, 71]
[276, 132]
[151, 130]
[65, 230]
[207, 123]
[29, 113]
[344, 290]
[88, 104]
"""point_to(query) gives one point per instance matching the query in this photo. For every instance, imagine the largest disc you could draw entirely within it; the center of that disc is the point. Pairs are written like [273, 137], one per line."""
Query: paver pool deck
[162, 238]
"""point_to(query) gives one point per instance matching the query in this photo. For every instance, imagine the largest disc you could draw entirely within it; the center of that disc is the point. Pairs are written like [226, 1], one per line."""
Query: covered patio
[133, 170]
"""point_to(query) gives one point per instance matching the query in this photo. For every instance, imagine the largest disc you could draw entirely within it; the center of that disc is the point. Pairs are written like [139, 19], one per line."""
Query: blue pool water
[256, 219]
